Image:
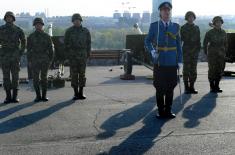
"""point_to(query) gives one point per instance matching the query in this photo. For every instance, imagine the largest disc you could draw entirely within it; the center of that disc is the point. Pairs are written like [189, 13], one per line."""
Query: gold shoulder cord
[171, 35]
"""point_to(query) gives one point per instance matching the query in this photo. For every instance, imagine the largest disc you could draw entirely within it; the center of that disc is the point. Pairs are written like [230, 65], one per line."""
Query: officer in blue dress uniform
[164, 44]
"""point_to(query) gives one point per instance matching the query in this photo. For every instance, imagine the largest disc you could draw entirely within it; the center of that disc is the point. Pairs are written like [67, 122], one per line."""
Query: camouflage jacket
[190, 35]
[12, 41]
[40, 47]
[215, 38]
[77, 42]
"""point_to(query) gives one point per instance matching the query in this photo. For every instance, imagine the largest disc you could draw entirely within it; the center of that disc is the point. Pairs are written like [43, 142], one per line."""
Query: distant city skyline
[107, 7]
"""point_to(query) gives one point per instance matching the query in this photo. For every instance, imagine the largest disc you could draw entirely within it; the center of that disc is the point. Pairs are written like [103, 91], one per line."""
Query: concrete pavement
[119, 118]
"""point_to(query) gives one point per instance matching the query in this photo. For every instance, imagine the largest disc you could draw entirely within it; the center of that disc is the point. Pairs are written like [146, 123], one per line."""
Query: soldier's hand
[154, 56]
[180, 65]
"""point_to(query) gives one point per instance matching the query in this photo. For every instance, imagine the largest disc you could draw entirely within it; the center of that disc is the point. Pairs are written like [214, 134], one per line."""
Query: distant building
[60, 21]
[146, 17]
[127, 15]
[117, 15]
[23, 14]
[136, 16]
[40, 14]
[24, 22]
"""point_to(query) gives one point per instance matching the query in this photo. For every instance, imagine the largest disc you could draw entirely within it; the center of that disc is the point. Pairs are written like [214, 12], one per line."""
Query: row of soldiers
[164, 43]
[77, 40]
[215, 46]
[40, 53]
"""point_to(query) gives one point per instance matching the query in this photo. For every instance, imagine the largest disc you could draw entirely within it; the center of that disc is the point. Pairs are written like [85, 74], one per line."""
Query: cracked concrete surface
[94, 122]
[118, 117]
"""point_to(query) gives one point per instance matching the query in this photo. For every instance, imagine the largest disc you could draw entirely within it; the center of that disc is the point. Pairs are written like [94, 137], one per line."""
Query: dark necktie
[166, 27]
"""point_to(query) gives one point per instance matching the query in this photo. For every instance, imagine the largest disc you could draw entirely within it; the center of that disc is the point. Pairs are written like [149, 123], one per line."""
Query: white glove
[154, 55]
[180, 65]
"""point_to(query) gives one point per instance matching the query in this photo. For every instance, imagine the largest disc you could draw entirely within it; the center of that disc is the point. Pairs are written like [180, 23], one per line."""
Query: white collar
[168, 23]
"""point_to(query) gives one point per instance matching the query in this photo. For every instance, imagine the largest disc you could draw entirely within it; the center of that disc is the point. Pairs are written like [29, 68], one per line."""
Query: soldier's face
[165, 13]
[218, 24]
[9, 19]
[77, 23]
[39, 27]
[191, 19]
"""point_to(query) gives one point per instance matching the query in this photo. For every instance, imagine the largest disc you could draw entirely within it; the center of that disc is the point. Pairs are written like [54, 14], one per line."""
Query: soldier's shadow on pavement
[199, 110]
[144, 139]
[126, 118]
[29, 119]
[2, 104]
[12, 110]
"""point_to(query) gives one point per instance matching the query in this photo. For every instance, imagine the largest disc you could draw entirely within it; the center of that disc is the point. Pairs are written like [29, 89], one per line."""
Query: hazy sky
[107, 7]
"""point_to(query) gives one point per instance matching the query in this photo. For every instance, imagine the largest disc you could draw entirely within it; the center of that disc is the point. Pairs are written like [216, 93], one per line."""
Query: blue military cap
[165, 4]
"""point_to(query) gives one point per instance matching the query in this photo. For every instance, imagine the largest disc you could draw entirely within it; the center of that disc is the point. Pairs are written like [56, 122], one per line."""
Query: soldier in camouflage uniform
[12, 41]
[40, 54]
[215, 47]
[78, 45]
[190, 36]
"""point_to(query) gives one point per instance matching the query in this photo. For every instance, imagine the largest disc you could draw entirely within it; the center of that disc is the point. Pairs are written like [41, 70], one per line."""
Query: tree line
[114, 38]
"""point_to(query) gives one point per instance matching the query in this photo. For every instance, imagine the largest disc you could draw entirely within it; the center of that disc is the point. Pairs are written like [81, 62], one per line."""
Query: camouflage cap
[165, 5]
[9, 13]
[217, 18]
[76, 16]
[38, 20]
[190, 13]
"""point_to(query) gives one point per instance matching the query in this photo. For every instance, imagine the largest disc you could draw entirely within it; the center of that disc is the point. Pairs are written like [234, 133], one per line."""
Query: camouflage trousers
[216, 65]
[190, 71]
[40, 71]
[30, 71]
[190, 57]
[10, 70]
[216, 62]
[78, 70]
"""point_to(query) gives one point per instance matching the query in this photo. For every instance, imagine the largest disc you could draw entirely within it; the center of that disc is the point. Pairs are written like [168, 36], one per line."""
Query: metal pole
[181, 99]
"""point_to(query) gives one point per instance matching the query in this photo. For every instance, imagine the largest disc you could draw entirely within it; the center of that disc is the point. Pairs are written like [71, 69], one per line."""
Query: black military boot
[38, 94]
[14, 96]
[217, 88]
[44, 95]
[81, 96]
[169, 101]
[76, 94]
[8, 97]
[192, 89]
[160, 105]
[186, 87]
[212, 86]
